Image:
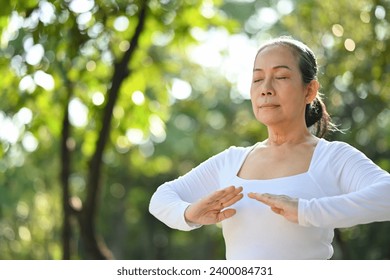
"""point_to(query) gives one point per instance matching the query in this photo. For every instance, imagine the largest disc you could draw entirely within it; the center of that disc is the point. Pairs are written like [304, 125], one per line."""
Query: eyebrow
[275, 67]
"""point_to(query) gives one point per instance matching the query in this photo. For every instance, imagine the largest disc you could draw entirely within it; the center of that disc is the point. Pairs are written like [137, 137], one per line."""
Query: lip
[269, 105]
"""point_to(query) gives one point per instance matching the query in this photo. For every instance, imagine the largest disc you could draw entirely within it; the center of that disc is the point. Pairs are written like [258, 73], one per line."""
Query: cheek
[254, 89]
[253, 102]
[295, 105]
[251, 93]
[254, 97]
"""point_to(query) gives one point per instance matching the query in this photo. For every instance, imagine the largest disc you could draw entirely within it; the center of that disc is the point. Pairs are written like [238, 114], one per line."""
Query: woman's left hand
[280, 204]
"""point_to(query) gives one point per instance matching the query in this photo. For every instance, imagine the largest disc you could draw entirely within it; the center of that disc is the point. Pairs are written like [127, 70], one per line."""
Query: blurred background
[104, 100]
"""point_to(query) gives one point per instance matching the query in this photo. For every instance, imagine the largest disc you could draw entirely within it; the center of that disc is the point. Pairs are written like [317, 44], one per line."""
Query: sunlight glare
[327, 41]
[27, 84]
[268, 15]
[46, 12]
[23, 116]
[157, 128]
[208, 53]
[78, 113]
[135, 136]
[350, 45]
[285, 7]
[138, 98]
[380, 12]
[11, 32]
[29, 142]
[9, 131]
[98, 98]
[24, 233]
[35, 54]
[44, 80]
[83, 19]
[121, 23]
[207, 9]
[236, 63]
[180, 89]
[338, 30]
[81, 6]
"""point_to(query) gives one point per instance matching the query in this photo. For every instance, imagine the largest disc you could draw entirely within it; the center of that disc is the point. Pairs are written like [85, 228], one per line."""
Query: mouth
[269, 106]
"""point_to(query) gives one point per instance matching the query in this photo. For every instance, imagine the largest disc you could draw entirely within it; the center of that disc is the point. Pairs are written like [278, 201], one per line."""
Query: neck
[277, 137]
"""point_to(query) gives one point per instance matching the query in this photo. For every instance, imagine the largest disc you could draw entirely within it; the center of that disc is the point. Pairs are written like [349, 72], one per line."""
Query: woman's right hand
[211, 209]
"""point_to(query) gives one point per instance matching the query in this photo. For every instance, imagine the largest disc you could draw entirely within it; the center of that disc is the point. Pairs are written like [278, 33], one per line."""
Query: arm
[194, 199]
[364, 192]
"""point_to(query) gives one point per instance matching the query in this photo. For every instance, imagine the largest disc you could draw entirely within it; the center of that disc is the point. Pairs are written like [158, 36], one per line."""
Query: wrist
[186, 218]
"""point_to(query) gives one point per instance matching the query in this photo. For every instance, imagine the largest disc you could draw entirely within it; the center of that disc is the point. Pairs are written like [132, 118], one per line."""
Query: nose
[267, 89]
[264, 93]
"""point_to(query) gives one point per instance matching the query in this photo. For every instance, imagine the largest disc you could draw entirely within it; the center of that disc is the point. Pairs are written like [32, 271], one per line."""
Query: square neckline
[312, 161]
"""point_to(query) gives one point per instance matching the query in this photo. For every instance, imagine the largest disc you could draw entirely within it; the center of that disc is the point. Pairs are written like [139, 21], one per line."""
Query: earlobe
[312, 91]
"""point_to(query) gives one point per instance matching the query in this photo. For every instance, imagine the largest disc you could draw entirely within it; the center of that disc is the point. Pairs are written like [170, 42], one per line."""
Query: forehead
[275, 55]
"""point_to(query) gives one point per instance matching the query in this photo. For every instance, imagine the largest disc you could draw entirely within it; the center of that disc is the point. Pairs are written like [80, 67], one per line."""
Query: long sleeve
[363, 191]
[171, 199]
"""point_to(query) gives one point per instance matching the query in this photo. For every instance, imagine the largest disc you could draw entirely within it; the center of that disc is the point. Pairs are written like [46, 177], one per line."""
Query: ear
[312, 91]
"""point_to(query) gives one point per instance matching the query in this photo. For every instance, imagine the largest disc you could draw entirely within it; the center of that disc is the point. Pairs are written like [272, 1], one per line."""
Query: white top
[341, 188]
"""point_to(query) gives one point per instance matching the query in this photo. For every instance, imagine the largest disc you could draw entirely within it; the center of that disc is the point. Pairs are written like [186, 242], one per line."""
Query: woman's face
[278, 94]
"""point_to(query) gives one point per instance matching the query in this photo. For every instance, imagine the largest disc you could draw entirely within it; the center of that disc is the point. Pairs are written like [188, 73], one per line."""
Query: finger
[264, 198]
[271, 200]
[223, 215]
[229, 192]
[217, 195]
[232, 200]
[224, 195]
[277, 210]
[233, 196]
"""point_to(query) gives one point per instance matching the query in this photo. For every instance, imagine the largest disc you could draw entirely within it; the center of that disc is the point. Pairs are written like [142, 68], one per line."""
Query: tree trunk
[65, 173]
[95, 247]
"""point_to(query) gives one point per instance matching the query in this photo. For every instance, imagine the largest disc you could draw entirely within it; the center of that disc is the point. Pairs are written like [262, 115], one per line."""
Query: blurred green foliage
[173, 112]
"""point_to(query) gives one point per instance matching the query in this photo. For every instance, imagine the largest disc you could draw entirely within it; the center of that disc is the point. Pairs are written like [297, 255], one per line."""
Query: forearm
[371, 204]
[169, 208]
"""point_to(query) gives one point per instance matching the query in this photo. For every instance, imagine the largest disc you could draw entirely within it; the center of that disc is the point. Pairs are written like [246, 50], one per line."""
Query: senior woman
[282, 197]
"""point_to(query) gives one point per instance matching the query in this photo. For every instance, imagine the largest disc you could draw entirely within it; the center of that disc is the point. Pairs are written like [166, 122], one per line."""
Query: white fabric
[342, 188]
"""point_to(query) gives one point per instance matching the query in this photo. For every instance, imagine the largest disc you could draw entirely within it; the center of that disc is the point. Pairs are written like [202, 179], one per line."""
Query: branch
[65, 172]
[66, 169]
[121, 72]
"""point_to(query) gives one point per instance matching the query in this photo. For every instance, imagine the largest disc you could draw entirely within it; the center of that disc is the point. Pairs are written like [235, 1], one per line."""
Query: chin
[267, 121]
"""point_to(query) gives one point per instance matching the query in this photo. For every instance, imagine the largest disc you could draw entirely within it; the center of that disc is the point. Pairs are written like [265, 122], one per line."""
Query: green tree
[88, 82]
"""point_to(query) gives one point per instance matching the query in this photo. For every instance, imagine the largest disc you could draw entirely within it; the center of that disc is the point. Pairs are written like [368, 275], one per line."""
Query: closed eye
[257, 78]
[282, 78]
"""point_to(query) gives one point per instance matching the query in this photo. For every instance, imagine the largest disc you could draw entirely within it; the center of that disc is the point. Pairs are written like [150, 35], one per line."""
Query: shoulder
[338, 148]
[240, 151]
[337, 154]
[232, 155]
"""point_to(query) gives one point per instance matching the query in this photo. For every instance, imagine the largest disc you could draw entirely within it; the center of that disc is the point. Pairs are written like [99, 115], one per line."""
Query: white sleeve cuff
[303, 205]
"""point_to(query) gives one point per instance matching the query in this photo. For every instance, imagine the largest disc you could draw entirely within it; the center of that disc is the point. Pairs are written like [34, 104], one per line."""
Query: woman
[280, 198]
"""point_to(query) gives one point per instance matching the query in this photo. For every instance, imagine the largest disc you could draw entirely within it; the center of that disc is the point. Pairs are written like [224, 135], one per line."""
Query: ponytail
[317, 118]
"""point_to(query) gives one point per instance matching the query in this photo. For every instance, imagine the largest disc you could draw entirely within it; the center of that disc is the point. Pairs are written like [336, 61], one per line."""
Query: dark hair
[316, 115]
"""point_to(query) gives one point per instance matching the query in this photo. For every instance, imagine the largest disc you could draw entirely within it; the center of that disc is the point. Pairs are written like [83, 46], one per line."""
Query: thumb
[225, 214]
